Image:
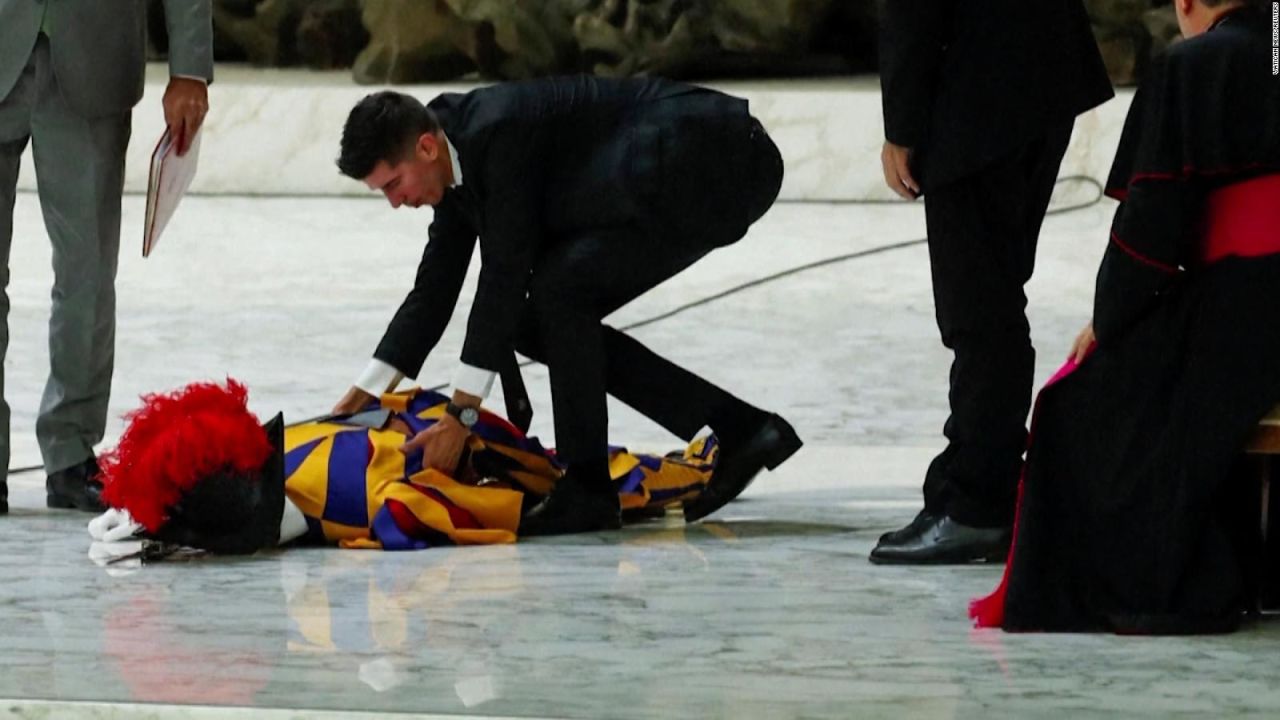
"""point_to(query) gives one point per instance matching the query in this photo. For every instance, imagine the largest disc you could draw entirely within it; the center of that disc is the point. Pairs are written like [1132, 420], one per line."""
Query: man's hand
[896, 161]
[441, 445]
[186, 101]
[353, 402]
[1083, 344]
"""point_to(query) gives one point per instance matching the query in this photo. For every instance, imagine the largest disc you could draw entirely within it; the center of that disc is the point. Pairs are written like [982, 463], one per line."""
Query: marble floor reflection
[770, 611]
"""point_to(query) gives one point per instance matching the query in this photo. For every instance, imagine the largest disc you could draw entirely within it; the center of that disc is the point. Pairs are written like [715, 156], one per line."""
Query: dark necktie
[519, 410]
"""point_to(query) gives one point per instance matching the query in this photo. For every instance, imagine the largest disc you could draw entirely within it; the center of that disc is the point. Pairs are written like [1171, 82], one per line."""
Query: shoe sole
[955, 558]
[57, 502]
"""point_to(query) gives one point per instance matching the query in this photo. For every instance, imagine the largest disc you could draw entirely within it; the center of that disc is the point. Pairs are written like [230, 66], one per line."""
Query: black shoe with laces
[943, 541]
[922, 518]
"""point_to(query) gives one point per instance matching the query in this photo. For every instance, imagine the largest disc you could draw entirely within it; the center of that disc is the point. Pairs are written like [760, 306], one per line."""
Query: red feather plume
[174, 441]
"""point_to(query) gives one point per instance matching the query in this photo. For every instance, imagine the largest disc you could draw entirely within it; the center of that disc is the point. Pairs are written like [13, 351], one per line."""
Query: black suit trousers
[983, 230]
[581, 279]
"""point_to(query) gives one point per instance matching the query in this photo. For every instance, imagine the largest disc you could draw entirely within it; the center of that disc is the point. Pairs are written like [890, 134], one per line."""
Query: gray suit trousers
[79, 165]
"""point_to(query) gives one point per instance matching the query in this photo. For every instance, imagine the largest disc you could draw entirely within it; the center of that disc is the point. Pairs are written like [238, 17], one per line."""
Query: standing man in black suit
[585, 193]
[979, 102]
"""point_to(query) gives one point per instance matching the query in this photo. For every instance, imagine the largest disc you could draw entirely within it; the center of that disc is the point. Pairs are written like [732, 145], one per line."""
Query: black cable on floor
[856, 255]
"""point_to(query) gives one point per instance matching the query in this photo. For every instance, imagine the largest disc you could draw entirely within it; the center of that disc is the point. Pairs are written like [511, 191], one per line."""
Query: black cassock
[1131, 516]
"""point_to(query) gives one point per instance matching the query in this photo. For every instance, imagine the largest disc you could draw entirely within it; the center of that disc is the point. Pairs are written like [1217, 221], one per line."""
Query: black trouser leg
[673, 397]
[575, 286]
[573, 349]
[983, 232]
[676, 399]
[579, 281]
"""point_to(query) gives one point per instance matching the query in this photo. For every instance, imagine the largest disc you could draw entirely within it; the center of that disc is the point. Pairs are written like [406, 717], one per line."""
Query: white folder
[170, 177]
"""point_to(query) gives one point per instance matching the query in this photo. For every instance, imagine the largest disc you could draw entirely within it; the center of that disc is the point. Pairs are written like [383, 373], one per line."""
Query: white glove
[118, 558]
[113, 525]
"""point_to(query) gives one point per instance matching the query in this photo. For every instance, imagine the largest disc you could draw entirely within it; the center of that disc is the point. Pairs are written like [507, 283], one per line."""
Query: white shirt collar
[453, 160]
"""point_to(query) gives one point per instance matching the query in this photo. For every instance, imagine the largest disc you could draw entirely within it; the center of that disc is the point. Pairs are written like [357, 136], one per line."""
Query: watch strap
[457, 410]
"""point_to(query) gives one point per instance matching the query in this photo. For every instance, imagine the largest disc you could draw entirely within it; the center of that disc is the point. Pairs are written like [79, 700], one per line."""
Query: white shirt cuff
[194, 77]
[474, 381]
[378, 378]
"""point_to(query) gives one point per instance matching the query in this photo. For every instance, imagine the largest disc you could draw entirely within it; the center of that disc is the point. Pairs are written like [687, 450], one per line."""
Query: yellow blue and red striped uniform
[357, 489]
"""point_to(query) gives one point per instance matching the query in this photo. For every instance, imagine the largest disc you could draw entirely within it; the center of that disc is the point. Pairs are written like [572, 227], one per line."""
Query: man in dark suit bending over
[584, 194]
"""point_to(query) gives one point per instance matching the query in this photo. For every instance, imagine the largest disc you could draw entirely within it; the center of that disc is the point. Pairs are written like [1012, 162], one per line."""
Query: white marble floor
[770, 610]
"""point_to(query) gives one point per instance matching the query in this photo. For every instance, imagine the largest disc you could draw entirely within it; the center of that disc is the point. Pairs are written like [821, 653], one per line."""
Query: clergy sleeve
[425, 312]
[913, 34]
[512, 236]
[1152, 239]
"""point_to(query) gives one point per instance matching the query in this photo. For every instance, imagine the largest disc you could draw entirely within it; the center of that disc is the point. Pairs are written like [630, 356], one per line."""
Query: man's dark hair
[382, 126]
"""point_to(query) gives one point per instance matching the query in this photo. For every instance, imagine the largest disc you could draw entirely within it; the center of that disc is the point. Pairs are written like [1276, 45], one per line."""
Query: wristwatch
[468, 416]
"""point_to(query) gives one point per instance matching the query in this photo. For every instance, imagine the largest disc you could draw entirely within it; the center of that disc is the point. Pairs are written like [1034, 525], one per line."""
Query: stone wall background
[406, 41]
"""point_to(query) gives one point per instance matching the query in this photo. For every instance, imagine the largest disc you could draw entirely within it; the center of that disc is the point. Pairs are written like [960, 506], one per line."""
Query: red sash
[1243, 219]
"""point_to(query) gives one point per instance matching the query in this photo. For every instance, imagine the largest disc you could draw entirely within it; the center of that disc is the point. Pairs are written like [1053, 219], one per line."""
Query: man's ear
[428, 147]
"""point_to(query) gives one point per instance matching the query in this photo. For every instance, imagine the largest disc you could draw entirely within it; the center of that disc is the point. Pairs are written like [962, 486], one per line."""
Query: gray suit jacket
[99, 47]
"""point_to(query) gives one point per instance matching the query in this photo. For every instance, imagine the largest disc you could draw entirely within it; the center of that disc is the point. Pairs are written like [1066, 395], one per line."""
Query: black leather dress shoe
[943, 541]
[893, 537]
[570, 510]
[76, 487]
[769, 446]
[4, 498]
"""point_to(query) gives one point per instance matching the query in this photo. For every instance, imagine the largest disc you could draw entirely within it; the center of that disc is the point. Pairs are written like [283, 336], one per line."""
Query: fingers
[897, 185]
[191, 122]
[891, 178]
[187, 126]
[415, 443]
[894, 161]
[890, 173]
[352, 402]
[1077, 349]
[1083, 345]
[184, 143]
[904, 174]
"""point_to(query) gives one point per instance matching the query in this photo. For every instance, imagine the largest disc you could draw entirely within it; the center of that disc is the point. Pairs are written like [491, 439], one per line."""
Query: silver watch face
[469, 416]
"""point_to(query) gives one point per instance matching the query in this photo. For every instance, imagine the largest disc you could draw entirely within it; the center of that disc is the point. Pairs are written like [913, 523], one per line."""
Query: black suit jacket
[545, 161]
[965, 83]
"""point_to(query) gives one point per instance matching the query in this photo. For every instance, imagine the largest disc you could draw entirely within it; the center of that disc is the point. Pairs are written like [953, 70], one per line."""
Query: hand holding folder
[170, 177]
